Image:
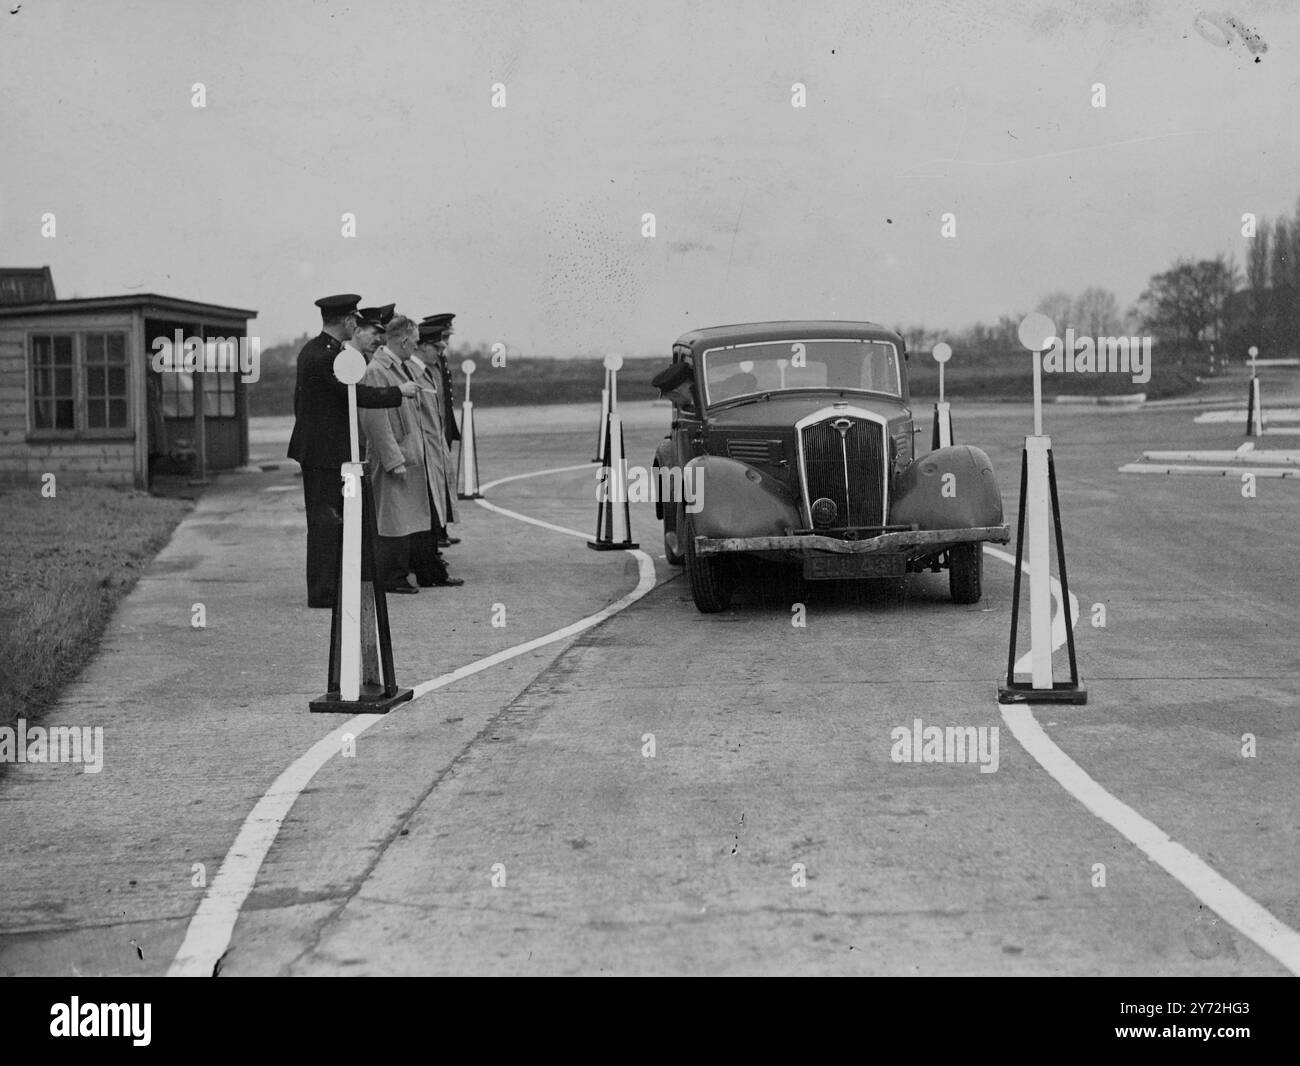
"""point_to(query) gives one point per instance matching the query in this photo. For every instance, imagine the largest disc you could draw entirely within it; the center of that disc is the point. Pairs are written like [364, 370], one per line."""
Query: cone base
[1060, 692]
[469, 496]
[372, 701]
[611, 546]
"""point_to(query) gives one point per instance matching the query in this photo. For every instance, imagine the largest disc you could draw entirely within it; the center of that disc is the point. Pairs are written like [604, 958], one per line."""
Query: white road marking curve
[210, 930]
[1205, 883]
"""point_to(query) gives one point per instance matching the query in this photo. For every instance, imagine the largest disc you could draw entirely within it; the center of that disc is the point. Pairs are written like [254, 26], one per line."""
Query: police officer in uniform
[321, 441]
[370, 332]
[438, 329]
[442, 324]
[378, 317]
[430, 567]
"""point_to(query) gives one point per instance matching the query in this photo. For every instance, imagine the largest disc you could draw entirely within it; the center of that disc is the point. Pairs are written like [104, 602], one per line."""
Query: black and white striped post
[1254, 407]
[467, 462]
[1040, 510]
[361, 675]
[613, 508]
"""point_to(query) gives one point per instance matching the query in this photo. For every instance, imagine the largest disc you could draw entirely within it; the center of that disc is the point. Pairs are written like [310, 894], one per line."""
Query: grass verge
[67, 563]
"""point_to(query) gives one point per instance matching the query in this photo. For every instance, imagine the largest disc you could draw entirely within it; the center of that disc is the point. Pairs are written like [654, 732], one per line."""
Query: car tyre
[674, 515]
[966, 572]
[712, 577]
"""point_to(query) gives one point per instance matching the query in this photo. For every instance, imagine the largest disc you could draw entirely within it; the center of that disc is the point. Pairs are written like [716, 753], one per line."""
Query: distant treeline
[995, 369]
[522, 381]
[1006, 373]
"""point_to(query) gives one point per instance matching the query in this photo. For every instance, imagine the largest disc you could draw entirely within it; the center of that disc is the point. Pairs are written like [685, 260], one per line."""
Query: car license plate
[841, 567]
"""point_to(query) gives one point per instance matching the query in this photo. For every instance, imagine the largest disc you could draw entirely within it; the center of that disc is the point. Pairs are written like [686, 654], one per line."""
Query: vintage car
[793, 441]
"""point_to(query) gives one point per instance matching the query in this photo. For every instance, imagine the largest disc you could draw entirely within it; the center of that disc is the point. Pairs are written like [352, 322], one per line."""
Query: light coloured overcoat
[394, 439]
[442, 470]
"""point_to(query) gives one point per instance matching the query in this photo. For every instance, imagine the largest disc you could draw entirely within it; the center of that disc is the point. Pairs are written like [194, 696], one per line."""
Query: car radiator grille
[861, 448]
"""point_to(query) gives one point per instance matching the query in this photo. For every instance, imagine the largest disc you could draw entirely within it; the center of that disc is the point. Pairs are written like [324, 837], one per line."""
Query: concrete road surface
[668, 792]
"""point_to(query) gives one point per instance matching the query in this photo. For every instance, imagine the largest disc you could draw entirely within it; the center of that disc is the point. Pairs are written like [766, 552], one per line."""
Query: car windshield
[771, 366]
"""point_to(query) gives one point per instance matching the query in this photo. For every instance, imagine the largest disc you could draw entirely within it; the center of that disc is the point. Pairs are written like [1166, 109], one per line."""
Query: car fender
[734, 499]
[949, 488]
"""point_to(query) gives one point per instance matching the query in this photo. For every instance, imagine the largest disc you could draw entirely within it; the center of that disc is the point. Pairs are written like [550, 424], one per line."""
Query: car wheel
[673, 515]
[965, 572]
[712, 577]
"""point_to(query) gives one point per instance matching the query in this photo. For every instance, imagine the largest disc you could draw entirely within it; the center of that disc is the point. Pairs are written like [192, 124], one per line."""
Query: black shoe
[401, 590]
[450, 582]
[447, 542]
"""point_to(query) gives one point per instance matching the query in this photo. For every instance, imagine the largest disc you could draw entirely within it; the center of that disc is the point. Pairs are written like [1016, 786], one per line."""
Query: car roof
[749, 332]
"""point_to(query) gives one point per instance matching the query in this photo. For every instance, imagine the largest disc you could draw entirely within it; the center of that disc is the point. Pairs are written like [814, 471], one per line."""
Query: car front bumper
[910, 542]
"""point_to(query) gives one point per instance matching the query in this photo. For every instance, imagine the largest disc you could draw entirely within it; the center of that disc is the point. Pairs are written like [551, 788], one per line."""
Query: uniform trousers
[322, 494]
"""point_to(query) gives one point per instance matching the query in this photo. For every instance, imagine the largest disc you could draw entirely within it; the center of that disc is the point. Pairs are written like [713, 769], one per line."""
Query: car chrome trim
[841, 412]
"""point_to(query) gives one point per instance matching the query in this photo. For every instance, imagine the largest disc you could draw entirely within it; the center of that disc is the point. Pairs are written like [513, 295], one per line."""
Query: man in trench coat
[395, 459]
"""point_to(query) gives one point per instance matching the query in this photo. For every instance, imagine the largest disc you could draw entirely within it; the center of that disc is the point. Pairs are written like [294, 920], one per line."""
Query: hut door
[221, 405]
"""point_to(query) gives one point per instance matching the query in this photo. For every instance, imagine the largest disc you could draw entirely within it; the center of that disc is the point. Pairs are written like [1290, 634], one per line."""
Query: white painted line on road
[209, 931]
[1238, 414]
[1247, 453]
[1058, 619]
[1193, 873]
[208, 936]
[1206, 471]
[1205, 883]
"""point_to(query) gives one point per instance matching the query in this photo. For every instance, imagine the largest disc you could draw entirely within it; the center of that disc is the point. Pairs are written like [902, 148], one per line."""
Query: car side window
[683, 396]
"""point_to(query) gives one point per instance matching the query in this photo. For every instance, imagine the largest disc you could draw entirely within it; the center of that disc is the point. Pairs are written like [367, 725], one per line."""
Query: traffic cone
[613, 509]
[1039, 504]
[467, 456]
[361, 676]
[1254, 410]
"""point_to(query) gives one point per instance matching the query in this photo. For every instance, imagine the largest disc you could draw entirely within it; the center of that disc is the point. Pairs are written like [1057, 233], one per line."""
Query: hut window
[105, 368]
[54, 398]
[79, 383]
[178, 395]
[218, 394]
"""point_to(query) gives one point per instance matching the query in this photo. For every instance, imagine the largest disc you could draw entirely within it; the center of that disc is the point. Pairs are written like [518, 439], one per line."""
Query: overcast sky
[526, 220]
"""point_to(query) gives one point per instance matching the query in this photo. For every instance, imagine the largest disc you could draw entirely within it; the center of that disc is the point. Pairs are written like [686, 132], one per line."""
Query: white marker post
[604, 420]
[613, 512]
[1036, 332]
[1039, 519]
[350, 368]
[942, 437]
[1254, 405]
[468, 442]
[361, 675]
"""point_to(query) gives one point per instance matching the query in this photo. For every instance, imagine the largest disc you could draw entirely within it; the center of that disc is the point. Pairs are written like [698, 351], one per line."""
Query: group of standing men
[407, 427]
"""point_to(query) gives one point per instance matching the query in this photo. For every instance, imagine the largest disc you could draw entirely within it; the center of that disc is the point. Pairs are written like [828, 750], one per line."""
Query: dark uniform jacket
[320, 406]
[449, 426]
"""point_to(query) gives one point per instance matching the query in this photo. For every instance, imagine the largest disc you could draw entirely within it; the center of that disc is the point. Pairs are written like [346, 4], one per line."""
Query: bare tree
[1283, 270]
[1096, 312]
[1188, 301]
[1060, 308]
